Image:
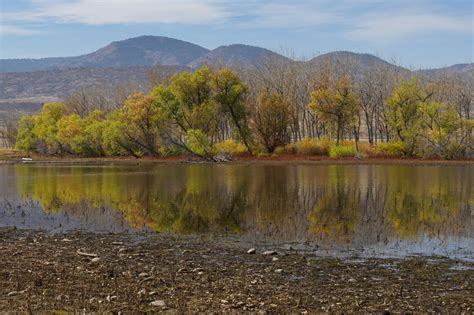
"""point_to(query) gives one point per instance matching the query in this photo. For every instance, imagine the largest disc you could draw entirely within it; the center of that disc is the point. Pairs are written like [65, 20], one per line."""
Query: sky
[412, 33]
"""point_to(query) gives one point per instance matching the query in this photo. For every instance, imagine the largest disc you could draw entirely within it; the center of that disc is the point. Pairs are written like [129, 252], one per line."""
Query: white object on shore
[26, 159]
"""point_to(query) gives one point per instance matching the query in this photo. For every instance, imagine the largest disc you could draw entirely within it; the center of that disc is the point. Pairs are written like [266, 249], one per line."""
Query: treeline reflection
[332, 203]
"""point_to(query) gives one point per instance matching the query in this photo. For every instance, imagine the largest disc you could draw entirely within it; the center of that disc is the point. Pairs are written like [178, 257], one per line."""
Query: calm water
[382, 210]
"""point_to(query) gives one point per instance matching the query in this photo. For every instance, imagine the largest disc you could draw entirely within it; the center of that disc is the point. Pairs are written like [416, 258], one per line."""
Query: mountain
[353, 62]
[461, 68]
[236, 55]
[138, 51]
[31, 81]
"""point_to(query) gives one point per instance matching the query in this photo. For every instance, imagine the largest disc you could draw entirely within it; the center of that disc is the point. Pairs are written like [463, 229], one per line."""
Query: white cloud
[17, 30]
[101, 12]
[291, 15]
[384, 28]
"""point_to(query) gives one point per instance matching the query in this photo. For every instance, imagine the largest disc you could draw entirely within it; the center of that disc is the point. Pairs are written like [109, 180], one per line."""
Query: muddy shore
[123, 273]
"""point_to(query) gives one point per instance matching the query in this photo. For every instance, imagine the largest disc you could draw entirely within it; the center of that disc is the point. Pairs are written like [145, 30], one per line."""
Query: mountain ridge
[148, 50]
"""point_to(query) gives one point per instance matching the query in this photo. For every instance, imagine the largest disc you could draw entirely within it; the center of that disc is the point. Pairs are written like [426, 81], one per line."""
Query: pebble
[251, 251]
[95, 260]
[160, 303]
[13, 293]
[269, 253]
[143, 275]
[278, 270]
[275, 259]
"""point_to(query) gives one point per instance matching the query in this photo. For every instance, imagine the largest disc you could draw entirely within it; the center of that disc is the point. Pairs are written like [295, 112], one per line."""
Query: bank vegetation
[275, 108]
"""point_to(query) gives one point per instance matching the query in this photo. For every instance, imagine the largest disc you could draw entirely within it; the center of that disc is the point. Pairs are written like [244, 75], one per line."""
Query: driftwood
[79, 252]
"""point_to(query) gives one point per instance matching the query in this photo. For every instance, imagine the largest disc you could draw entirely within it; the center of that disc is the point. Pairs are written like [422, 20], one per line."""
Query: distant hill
[138, 51]
[59, 83]
[353, 62]
[236, 55]
[129, 60]
[461, 68]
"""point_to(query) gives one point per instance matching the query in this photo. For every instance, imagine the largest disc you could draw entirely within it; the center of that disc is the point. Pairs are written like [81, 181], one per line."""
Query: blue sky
[414, 33]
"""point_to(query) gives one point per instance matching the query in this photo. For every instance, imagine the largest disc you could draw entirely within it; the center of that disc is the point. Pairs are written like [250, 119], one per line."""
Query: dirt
[17, 156]
[129, 273]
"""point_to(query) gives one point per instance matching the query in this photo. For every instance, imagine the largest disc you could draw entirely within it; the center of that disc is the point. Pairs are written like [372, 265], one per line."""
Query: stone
[159, 303]
[269, 253]
[251, 251]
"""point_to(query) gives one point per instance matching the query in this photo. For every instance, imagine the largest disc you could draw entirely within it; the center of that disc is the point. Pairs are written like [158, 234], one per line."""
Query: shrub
[341, 151]
[307, 146]
[170, 151]
[199, 143]
[367, 149]
[310, 146]
[397, 148]
[230, 147]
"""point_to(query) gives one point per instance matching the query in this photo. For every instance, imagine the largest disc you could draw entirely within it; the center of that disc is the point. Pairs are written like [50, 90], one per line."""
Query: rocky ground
[124, 273]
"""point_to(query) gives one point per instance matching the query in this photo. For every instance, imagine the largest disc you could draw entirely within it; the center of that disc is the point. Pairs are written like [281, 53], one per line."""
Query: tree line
[276, 107]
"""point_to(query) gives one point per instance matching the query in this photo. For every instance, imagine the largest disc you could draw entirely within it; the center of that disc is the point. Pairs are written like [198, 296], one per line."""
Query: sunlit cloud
[102, 12]
[17, 30]
[385, 28]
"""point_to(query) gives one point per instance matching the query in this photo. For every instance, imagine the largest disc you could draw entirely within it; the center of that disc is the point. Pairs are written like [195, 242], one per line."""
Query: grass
[337, 151]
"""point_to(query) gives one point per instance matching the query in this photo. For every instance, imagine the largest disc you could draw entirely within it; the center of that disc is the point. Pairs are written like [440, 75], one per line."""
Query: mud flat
[123, 272]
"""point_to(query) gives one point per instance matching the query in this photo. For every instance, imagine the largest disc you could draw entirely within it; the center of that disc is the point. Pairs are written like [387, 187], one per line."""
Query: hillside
[138, 51]
[235, 56]
[128, 61]
[354, 62]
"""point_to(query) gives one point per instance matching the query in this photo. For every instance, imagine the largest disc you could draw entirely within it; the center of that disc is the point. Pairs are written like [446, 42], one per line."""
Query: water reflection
[379, 207]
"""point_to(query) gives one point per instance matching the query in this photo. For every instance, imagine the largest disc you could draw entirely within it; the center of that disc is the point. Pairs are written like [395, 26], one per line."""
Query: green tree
[187, 104]
[141, 120]
[404, 113]
[271, 120]
[230, 96]
[337, 105]
[441, 126]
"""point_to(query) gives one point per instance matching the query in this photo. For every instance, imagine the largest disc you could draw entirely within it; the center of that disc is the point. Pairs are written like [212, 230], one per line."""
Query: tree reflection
[333, 203]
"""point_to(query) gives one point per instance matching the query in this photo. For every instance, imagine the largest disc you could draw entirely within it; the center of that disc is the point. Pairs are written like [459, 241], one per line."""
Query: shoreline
[245, 159]
[121, 272]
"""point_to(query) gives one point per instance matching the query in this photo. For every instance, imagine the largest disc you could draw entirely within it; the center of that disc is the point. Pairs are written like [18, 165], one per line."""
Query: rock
[95, 260]
[13, 293]
[251, 251]
[143, 275]
[142, 292]
[81, 253]
[182, 270]
[269, 253]
[278, 270]
[66, 240]
[159, 303]
[275, 259]
[239, 304]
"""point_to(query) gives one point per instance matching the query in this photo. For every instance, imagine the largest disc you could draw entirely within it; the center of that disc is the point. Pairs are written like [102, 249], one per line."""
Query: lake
[342, 210]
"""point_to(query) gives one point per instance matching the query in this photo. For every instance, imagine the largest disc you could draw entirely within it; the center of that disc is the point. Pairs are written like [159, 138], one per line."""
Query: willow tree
[337, 105]
[229, 93]
[188, 106]
[404, 113]
[271, 120]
